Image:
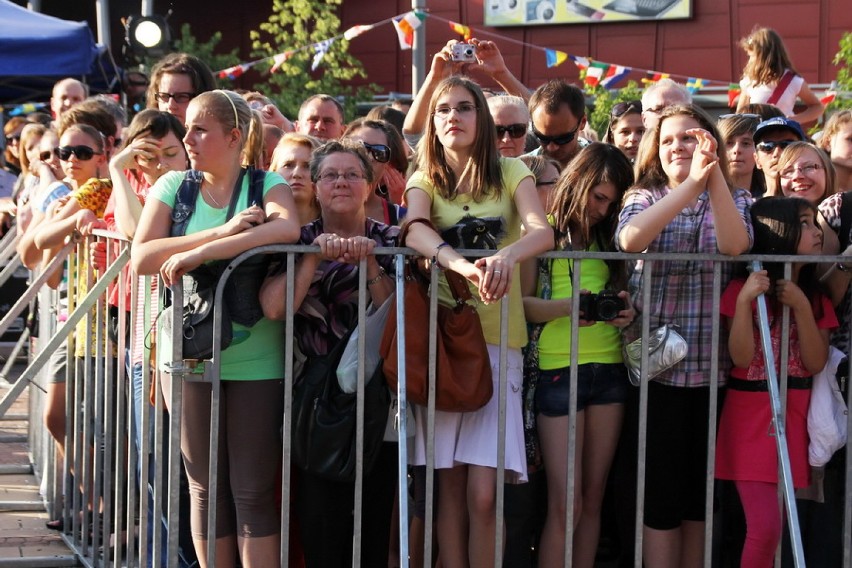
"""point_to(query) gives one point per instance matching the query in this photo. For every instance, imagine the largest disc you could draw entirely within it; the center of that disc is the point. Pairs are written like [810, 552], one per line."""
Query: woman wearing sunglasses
[512, 118]
[387, 156]
[625, 128]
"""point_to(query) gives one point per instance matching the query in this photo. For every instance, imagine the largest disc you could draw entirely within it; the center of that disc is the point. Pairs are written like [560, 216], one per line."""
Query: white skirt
[470, 438]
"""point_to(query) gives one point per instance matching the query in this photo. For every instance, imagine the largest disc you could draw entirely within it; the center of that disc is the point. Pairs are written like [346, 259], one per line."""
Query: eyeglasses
[379, 152]
[622, 108]
[443, 112]
[83, 153]
[545, 183]
[179, 98]
[559, 139]
[515, 130]
[806, 170]
[332, 177]
[45, 155]
[770, 146]
[655, 110]
[739, 114]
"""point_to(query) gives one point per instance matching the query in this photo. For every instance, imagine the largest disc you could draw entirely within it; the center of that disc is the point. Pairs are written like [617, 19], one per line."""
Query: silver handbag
[666, 348]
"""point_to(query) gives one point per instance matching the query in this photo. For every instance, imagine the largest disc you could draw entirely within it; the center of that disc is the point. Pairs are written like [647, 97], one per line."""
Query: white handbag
[827, 413]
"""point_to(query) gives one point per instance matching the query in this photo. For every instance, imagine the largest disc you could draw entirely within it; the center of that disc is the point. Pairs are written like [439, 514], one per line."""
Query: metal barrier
[138, 529]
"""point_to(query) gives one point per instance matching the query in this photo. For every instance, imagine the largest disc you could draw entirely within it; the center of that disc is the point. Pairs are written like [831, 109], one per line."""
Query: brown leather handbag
[463, 367]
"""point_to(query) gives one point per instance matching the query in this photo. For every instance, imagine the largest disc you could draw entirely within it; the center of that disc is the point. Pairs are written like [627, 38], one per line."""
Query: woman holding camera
[584, 216]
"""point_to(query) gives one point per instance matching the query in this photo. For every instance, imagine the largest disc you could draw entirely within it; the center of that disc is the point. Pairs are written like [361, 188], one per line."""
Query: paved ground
[24, 540]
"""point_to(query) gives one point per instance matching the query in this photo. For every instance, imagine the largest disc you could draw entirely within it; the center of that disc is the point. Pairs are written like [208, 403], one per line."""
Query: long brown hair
[482, 170]
[768, 57]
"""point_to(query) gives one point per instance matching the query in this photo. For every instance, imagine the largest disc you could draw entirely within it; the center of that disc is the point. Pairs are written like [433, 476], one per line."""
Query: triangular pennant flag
[321, 49]
[279, 59]
[355, 31]
[653, 77]
[595, 72]
[234, 72]
[828, 98]
[693, 84]
[463, 31]
[554, 57]
[615, 74]
[582, 63]
[733, 92]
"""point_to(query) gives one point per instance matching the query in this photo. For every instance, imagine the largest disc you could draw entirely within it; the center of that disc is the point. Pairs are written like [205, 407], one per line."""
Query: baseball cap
[778, 123]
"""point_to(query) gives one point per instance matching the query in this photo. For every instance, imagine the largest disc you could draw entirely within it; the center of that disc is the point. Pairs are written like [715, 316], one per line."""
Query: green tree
[205, 51]
[843, 60]
[295, 25]
[604, 101]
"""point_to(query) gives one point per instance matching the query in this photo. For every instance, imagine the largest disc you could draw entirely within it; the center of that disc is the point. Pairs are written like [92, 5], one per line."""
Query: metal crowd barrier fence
[139, 526]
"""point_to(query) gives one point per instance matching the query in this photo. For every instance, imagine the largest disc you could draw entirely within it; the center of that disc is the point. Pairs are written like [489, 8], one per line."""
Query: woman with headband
[222, 134]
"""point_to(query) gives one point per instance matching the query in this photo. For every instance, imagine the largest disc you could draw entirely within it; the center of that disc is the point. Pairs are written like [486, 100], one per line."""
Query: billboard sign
[541, 12]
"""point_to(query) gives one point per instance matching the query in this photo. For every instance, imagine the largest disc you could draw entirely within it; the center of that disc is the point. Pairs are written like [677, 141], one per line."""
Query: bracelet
[843, 267]
[378, 277]
[437, 251]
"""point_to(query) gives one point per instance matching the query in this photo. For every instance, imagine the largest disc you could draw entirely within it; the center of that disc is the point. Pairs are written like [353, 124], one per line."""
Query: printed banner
[543, 12]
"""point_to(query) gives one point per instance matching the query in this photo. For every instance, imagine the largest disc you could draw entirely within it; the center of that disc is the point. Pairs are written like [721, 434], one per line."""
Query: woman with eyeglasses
[223, 134]
[805, 171]
[175, 80]
[387, 156]
[477, 200]
[625, 129]
[326, 304]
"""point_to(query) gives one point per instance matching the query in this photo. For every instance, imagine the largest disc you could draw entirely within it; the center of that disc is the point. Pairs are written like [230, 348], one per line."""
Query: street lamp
[148, 35]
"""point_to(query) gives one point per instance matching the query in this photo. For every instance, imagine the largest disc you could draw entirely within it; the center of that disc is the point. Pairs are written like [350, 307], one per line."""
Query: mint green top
[599, 343]
[255, 352]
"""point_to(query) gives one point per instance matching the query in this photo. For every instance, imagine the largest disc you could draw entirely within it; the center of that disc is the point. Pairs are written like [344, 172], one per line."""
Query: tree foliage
[604, 101]
[204, 50]
[295, 25]
[843, 60]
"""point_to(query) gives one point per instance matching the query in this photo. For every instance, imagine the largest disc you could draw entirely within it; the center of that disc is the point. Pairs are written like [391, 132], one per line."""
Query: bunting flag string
[594, 73]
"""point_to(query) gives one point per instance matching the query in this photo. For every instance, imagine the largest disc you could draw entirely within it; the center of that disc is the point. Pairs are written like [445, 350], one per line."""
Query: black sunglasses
[179, 98]
[379, 152]
[619, 109]
[559, 139]
[515, 130]
[740, 114]
[13, 138]
[45, 155]
[770, 146]
[83, 153]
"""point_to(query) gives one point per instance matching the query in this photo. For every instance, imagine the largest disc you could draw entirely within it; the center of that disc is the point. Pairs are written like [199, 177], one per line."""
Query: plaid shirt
[682, 291]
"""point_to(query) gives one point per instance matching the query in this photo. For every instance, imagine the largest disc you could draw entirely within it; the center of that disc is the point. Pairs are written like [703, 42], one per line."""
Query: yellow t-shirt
[491, 224]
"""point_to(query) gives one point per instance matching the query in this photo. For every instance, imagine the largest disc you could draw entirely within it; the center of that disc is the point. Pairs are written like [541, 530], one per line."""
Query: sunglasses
[179, 98]
[619, 109]
[559, 139]
[515, 130]
[83, 153]
[739, 114]
[770, 146]
[379, 152]
[45, 155]
[13, 138]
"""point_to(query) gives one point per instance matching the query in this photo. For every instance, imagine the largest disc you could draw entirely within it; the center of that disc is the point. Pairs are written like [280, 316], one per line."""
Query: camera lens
[608, 305]
[468, 52]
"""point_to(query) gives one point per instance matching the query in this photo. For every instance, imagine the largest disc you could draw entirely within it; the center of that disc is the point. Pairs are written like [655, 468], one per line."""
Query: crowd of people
[203, 175]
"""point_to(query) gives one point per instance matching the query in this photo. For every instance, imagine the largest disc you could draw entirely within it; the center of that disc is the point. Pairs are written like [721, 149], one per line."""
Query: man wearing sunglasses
[512, 118]
[558, 112]
[770, 138]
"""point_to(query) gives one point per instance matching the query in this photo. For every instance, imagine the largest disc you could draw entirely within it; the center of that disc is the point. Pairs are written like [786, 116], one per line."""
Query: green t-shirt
[599, 343]
[255, 352]
[491, 223]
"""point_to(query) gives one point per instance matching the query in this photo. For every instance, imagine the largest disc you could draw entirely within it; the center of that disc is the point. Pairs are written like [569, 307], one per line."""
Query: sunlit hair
[735, 126]
[232, 111]
[482, 170]
[291, 139]
[398, 159]
[197, 71]
[768, 57]
[28, 134]
[497, 102]
[538, 165]
[792, 153]
[343, 146]
[649, 168]
[554, 94]
[777, 230]
[837, 121]
[665, 83]
[595, 164]
[91, 112]
[156, 124]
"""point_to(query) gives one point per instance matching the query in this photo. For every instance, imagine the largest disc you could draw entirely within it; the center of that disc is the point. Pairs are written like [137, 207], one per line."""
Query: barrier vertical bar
[647, 270]
[712, 413]
[287, 425]
[401, 413]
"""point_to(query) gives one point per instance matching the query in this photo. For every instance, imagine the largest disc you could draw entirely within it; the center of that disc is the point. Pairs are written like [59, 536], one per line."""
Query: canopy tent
[37, 50]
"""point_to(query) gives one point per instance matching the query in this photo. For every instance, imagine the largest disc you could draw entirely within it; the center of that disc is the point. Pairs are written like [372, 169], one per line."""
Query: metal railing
[138, 529]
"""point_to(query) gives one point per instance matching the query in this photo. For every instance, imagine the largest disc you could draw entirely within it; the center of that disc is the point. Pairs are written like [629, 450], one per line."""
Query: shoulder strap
[256, 180]
[782, 85]
[235, 195]
[185, 199]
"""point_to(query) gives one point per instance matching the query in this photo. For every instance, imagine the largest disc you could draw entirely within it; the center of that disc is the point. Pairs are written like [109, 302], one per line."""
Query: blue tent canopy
[36, 50]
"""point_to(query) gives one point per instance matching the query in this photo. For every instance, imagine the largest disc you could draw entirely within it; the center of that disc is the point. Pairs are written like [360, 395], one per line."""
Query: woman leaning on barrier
[220, 127]
[682, 203]
[326, 304]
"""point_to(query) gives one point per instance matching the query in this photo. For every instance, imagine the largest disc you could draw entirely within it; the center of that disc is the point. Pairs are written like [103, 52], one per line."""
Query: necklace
[213, 199]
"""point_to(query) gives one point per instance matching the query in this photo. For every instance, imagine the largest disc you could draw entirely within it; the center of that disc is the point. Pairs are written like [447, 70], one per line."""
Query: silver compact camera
[464, 52]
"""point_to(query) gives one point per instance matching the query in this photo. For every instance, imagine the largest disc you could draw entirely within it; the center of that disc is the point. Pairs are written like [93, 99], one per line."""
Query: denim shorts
[598, 383]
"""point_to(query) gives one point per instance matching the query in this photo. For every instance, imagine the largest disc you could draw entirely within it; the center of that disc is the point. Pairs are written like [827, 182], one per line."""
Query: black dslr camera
[601, 307]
